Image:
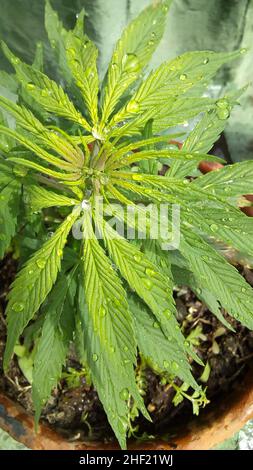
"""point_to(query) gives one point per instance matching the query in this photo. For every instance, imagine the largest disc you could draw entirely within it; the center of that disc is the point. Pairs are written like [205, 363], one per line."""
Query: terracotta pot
[215, 424]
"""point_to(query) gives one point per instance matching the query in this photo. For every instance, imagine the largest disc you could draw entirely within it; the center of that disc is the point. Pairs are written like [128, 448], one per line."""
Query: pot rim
[204, 432]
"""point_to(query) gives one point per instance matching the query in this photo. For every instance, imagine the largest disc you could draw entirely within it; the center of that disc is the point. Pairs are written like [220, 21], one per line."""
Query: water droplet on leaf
[131, 63]
[183, 76]
[150, 272]
[18, 307]
[223, 113]
[213, 227]
[124, 394]
[147, 283]
[41, 263]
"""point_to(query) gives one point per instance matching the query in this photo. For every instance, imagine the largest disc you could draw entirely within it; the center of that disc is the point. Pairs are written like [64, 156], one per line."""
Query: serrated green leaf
[146, 279]
[53, 344]
[40, 152]
[82, 60]
[154, 346]
[215, 274]
[41, 198]
[45, 91]
[48, 137]
[57, 35]
[206, 132]
[9, 210]
[133, 51]
[183, 277]
[227, 224]
[182, 156]
[173, 78]
[232, 180]
[109, 335]
[33, 283]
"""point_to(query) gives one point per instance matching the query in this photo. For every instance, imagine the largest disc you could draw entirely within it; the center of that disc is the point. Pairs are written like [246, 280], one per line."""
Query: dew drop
[30, 86]
[125, 348]
[175, 365]
[15, 60]
[124, 394]
[183, 76]
[44, 93]
[165, 364]
[94, 357]
[131, 63]
[150, 272]
[243, 289]
[243, 50]
[222, 103]
[137, 258]
[147, 283]
[102, 311]
[213, 227]
[156, 325]
[41, 263]
[205, 61]
[167, 312]
[223, 113]
[122, 424]
[18, 307]
[59, 252]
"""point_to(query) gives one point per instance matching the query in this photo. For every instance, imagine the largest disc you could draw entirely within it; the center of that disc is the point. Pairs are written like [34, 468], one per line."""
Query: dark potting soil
[75, 409]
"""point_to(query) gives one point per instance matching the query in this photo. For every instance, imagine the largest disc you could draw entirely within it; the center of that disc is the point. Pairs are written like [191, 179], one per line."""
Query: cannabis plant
[64, 148]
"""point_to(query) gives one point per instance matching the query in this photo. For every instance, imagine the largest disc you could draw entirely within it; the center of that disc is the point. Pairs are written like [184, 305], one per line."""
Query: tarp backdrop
[192, 24]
